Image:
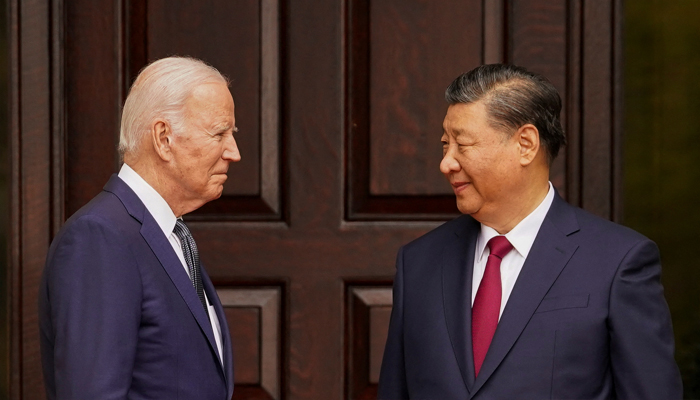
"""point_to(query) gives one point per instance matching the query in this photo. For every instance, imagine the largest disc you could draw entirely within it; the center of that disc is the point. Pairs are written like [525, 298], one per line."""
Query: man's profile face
[206, 146]
[479, 161]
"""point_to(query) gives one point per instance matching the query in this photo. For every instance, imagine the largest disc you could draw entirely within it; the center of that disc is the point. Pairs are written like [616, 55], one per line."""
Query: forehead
[462, 118]
[210, 101]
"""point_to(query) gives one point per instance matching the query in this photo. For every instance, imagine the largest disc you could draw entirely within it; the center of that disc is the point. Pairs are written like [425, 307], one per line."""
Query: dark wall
[4, 206]
[662, 150]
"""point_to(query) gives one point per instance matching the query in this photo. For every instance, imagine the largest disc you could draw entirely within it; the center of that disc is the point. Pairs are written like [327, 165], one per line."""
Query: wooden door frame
[37, 130]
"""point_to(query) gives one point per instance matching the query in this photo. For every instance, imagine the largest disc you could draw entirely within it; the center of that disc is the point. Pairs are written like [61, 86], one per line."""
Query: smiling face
[203, 150]
[481, 163]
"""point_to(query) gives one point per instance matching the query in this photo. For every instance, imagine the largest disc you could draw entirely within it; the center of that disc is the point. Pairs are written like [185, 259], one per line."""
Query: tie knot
[499, 246]
[181, 230]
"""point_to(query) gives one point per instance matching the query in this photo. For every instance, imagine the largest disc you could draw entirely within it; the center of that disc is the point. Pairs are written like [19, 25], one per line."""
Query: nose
[449, 164]
[231, 153]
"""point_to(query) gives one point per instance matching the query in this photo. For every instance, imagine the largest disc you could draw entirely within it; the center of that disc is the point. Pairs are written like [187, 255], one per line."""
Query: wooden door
[339, 105]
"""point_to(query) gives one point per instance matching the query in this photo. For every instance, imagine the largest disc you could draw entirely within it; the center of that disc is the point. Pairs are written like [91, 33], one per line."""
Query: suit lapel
[161, 247]
[225, 335]
[548, 256]
[457, 266]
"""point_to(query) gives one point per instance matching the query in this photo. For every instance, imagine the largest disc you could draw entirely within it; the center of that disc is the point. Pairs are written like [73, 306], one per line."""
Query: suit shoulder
[104, 207]
[605, 229]
[99, 234]
[104, 215]
[440, 234]
[600, 237]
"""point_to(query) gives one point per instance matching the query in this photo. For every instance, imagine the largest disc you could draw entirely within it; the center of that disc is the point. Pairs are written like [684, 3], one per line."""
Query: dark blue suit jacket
[586, 319]
[119, 317]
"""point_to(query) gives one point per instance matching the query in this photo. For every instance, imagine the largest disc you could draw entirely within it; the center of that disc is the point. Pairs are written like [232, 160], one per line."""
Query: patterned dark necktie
[487, 303]
[189, 250]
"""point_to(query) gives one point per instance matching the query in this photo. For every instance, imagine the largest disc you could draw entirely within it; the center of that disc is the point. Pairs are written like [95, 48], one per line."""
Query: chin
[218, 192]
[211, 195]
[467, 207]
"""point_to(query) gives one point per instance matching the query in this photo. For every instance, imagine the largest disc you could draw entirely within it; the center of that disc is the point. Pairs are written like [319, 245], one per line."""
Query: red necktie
[487, 303]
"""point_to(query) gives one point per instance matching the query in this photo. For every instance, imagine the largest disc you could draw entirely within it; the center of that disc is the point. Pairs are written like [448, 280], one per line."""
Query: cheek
[488, 174]
[465, 161]
[475, 165]
[203, 161]
[212, 154]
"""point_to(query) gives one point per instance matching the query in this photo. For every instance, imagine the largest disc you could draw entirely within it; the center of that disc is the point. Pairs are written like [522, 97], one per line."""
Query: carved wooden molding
[368, 311]
[494, 34]
[268, 301]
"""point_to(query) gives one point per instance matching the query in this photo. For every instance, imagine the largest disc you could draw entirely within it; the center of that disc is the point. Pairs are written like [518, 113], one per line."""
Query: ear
[529, 142]
[162, 138]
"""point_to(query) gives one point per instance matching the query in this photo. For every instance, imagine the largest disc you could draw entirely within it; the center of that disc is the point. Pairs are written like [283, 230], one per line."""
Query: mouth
[221, 175]
[459, 187]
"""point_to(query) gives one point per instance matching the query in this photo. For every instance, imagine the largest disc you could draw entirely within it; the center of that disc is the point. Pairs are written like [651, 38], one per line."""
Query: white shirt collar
[154, 202]
[523, 235]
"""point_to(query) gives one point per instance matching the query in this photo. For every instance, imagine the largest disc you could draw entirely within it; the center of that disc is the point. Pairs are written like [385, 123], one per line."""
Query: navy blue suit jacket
[119, 317]
[586, 319]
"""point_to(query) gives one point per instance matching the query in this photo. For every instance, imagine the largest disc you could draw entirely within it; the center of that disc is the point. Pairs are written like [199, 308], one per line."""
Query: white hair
[161, 91]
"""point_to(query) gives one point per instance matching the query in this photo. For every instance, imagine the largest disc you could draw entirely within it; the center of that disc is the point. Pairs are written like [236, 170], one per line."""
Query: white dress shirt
[521, 237]
[163, 214]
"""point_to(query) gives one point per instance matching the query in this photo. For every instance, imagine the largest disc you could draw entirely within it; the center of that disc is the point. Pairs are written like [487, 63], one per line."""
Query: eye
[463, 142]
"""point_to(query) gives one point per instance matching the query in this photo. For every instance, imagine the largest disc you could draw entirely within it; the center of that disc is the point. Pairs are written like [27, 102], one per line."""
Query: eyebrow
[456, 132]
[222, 127]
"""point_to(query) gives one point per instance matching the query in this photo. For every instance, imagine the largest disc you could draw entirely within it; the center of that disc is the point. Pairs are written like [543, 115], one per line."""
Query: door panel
[227, 35]
[411, 60]
[340, 107]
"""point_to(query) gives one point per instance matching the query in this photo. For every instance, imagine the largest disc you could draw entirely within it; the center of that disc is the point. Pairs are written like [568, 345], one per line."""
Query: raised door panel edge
[367, 314]
[267, 301]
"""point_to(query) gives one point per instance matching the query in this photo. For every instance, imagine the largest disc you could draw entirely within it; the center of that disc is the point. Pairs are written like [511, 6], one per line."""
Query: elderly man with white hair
[126, 309]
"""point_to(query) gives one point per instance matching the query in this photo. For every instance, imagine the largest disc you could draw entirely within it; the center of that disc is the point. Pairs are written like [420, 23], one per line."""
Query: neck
[524, 203]
[154, 175]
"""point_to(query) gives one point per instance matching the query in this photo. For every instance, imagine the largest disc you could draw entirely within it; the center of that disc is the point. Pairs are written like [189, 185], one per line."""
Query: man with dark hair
[524, 296]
